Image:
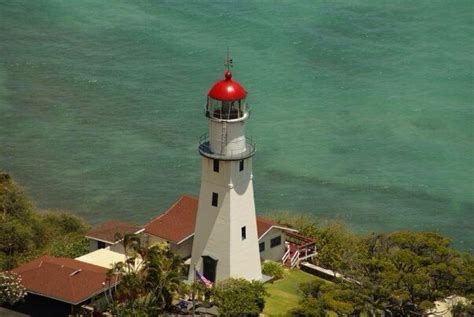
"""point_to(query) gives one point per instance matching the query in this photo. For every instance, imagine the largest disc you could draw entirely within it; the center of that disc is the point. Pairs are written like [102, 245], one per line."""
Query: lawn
[283, 294]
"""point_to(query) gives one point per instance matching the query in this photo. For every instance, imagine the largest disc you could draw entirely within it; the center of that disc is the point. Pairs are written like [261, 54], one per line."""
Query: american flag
[203, 279]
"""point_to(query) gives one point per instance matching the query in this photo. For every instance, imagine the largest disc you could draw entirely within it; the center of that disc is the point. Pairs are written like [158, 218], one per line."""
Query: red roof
[107, 231]
[63, 279]
[177, 223]
[263, 225]
[227, 89]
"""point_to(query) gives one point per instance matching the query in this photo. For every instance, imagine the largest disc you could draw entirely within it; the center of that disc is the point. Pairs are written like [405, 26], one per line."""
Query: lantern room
[226, 100]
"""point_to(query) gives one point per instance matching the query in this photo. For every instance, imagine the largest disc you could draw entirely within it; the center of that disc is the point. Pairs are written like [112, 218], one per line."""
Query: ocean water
[362, 110]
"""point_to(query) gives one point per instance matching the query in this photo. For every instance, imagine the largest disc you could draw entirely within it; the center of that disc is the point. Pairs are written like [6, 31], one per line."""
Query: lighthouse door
[209, 268]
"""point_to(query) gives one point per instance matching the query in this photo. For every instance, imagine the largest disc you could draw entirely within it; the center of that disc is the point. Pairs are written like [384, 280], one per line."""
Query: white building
[225, 237]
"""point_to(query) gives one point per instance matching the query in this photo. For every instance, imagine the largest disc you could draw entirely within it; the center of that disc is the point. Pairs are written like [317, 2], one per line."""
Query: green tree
[26, 233]
[149, 278]
[13, 201]
[239, 297]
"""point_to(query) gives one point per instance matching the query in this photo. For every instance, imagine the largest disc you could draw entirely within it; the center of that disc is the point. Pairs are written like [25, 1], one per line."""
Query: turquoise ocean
[362, 111]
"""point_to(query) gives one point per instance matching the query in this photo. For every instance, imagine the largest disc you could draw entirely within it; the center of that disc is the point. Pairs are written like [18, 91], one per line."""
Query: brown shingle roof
[63, 279]
[263, 225]
[107, 231]
[177, 223]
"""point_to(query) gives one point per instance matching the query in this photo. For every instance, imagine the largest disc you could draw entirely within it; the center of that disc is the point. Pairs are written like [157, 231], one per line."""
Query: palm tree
[149, 278]
[165, 272]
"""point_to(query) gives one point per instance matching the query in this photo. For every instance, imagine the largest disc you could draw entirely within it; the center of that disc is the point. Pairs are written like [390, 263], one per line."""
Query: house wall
[277, 252]
[151, 239]
[184, 249]
[39, 306]
[117, 247]
[94, 245]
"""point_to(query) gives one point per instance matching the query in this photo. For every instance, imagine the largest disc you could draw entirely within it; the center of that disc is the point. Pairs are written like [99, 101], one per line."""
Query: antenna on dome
[229, 62]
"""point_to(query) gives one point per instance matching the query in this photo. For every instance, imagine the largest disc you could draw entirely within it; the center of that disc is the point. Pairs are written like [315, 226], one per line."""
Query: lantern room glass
[227, 110]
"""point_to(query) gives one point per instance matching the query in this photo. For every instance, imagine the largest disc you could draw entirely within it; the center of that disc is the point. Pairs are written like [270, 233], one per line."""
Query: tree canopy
[401, 272]
[26, 232]
[239, 297]
[149, 279]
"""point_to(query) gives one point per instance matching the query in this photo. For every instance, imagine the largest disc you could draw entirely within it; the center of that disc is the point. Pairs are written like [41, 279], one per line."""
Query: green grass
[283, 294]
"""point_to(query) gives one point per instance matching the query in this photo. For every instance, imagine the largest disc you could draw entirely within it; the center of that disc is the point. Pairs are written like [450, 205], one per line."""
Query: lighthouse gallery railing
[238, 154]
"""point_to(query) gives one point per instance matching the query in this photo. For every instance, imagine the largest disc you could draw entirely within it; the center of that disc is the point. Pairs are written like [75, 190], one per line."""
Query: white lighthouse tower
[225, 240]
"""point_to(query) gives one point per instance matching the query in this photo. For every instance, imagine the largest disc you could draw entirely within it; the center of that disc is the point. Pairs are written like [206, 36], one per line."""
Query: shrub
[240, 297]
[11, 290]
[273, 269]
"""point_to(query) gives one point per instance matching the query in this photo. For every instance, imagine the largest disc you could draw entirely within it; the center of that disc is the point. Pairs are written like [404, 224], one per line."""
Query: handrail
[295, 258]
[205, 150]
[285, 256]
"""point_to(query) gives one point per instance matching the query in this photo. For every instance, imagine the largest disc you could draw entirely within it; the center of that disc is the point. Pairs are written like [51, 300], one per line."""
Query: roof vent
[75, 272]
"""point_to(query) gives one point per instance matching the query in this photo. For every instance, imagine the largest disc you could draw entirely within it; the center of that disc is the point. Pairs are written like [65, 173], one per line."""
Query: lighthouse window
[243, 231]
[241, 165]
[215, 197]
[275, 242]
[216, 166]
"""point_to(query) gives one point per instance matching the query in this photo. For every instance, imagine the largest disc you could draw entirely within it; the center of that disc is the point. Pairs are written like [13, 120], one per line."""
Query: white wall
[218, 229]
[276, 253]
[235, 142]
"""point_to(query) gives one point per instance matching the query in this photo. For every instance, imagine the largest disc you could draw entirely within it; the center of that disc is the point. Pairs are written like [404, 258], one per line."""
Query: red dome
[227, 89]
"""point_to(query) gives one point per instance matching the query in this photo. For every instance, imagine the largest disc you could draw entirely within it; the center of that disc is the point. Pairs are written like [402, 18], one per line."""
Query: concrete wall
[275, 253]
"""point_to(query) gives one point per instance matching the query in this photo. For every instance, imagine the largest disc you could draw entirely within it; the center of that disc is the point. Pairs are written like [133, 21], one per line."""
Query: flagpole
[194, 286]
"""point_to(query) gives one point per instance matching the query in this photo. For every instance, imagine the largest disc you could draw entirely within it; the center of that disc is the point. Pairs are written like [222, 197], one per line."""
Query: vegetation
[273, 269]
[150, 278]
[26, 232]
[401, 273]
[463, 310]
[11, 290]
[238, 297]
[283, 294]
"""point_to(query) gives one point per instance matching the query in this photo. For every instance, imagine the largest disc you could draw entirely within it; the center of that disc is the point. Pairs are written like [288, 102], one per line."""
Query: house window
[241, 165]
[216, 166]
[261, 246]
[275, 242]
[243, 232]
[100, 245]
[215, 197]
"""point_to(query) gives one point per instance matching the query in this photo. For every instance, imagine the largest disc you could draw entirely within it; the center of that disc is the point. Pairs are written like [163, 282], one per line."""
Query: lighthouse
[225, 236]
